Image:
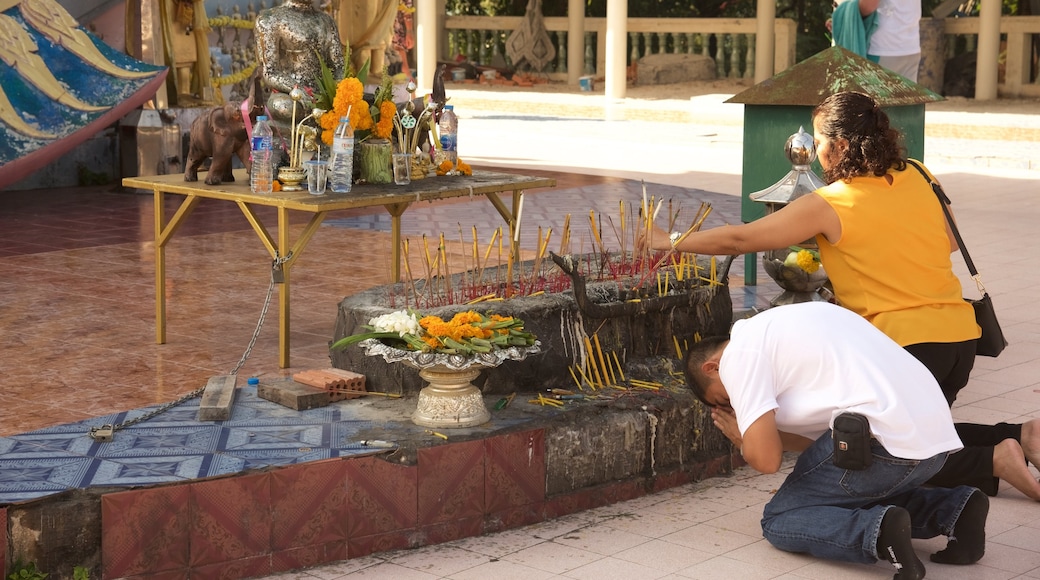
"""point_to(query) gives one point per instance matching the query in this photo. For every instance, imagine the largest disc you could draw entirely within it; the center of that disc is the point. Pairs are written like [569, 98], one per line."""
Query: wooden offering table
[284, 251]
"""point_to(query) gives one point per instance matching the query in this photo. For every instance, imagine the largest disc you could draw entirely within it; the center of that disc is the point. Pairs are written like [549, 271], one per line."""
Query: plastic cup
[402, 168]
[317, 175]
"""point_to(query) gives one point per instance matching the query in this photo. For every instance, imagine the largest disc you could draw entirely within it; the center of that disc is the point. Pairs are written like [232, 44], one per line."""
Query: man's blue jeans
[836, 514]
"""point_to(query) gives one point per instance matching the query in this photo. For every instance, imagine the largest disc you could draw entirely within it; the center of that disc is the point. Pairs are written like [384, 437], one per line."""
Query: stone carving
[219, 133]
[530, 43]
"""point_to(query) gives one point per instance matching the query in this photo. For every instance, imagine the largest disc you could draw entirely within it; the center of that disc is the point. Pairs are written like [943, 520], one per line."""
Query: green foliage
[80, 573]
[26, 572]
[326, 84]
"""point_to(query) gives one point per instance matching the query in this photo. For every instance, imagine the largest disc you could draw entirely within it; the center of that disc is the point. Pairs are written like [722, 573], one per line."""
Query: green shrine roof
[832, 71]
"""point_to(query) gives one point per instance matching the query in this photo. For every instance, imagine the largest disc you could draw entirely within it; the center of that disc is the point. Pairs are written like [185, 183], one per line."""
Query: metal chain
[105, 432]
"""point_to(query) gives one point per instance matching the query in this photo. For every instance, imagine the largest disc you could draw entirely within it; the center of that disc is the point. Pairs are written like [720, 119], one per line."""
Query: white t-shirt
[898, 31]
[814, 360]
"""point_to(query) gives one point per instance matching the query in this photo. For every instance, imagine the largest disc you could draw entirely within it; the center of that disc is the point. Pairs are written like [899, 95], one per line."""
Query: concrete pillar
[765, 39]
[617, 38]
[988, 49]
[425, 44]
[933, 54]
[575, 40]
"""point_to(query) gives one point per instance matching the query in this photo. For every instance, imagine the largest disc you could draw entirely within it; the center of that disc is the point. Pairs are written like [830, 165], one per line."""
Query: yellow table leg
[283, 289]
[163, 232]
[160, 270]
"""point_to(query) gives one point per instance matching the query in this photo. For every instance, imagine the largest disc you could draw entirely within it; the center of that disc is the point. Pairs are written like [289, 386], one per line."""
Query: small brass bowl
[291, 177]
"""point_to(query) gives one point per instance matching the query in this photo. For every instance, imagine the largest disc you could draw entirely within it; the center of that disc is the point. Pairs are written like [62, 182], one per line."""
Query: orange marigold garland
[350, 94]
[385, 127]
[466, 333]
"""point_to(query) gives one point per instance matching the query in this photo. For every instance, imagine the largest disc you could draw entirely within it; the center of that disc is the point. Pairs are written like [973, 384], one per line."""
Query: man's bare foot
[1009, 464]
[1031, 441]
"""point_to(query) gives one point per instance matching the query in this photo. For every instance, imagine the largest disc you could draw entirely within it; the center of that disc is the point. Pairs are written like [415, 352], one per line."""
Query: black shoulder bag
[992, 341]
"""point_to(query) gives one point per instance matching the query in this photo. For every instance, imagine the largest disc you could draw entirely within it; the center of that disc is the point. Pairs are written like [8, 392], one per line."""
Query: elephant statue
[219, 133]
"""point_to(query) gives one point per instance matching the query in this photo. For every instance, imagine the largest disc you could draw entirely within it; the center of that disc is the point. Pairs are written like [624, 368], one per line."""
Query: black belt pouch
[851, 436]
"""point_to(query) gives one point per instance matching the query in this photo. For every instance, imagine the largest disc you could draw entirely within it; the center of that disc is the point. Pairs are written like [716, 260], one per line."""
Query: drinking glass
[317, 175]
[402, 168]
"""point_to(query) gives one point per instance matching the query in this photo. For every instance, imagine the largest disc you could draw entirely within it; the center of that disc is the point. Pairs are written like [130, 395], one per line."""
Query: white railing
[729, 41]
[1020, 73]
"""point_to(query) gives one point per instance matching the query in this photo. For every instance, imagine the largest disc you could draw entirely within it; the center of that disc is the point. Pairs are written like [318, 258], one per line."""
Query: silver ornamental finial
[800, 148]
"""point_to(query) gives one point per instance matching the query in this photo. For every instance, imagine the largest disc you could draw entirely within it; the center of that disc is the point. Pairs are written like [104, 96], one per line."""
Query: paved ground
[89, 335]
[988, 157]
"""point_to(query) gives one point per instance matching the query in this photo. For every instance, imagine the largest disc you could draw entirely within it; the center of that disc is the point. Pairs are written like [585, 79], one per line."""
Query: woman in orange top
[886, 247]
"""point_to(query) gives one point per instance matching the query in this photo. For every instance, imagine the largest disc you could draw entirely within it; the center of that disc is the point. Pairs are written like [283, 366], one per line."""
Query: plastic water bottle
[261, 176]
[341, 164]
[448, 127]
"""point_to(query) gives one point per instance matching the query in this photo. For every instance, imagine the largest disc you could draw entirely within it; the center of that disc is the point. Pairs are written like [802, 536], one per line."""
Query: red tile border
[145, 531]
[230, 519]
[381, 497]
[451, 482]
[309, 504]
[514, 470]
[3, 539]
[665, 481]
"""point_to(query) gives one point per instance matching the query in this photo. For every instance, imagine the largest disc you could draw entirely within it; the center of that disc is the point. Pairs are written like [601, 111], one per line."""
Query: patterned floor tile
[225, 463]
[159, 441]
[50, 472]
[274, 436]
[143, 471]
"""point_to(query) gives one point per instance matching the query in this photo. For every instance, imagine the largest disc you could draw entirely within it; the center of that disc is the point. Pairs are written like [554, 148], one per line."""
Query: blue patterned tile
[280, 436]
[76, 442]
[151, 469]
[7, 497]
[50, 474]
[243, 460]
[246, 414]
[19, 445]
[114, 473]
[183, 414]
[346, 434]
[82, 427]
[140, 441]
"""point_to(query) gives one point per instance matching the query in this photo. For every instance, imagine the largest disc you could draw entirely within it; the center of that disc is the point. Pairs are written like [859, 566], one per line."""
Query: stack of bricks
[340, 384]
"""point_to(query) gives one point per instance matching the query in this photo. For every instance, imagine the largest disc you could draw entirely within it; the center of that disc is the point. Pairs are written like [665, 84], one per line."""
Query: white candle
[519, 213]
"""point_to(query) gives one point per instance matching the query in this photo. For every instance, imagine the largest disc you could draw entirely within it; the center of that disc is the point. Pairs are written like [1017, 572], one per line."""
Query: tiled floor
[77, 316]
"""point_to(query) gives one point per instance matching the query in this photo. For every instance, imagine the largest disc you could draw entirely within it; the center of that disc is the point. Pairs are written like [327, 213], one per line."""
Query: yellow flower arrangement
[460, 166]
[466, 333]
[376, 119]
[807, 260]
[349, 102]
[385, 127]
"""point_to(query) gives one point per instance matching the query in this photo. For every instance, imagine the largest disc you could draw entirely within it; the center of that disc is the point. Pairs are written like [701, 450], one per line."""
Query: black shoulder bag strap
[943, 201]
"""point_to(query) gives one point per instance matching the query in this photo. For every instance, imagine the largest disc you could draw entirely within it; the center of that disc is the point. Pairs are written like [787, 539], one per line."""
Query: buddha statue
[289, 40]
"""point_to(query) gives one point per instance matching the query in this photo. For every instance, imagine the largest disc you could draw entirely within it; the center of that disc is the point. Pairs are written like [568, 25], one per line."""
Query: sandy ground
[687, 90]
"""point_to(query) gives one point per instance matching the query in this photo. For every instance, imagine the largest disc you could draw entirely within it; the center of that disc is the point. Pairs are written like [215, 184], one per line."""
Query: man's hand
[726, 421]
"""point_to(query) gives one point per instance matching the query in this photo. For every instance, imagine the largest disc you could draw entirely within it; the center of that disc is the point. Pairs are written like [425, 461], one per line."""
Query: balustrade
[729, 41]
